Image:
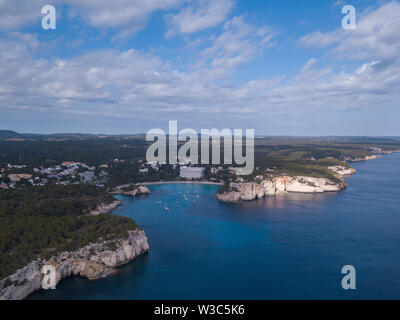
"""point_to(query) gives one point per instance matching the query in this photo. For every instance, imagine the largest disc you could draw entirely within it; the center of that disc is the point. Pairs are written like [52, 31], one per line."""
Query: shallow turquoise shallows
[279, 248]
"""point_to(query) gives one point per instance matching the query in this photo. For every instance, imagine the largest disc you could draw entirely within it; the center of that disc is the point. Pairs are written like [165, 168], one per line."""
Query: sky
[127, 66]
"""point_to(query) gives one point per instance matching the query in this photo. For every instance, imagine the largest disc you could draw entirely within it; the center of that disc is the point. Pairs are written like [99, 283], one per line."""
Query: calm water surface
[291, 247]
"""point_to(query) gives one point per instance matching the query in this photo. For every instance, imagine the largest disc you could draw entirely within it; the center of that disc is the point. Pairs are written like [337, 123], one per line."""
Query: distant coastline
[150, 183]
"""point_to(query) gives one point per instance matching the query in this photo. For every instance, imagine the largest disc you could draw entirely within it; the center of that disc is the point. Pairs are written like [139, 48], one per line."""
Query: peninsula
[65, 227]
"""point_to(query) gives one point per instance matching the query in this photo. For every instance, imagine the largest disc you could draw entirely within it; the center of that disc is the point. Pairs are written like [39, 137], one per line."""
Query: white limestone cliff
[247, 191]
[342, 171]
[93, 261]
[106, 208]
[136, 190]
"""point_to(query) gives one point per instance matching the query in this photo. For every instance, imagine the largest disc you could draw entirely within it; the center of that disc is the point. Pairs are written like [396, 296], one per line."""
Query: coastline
[150, 183]
[92, 261]
[21, 287]
[293, 225]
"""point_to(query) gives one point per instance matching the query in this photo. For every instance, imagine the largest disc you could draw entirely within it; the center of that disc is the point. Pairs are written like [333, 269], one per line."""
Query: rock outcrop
[131, 190]
[359, 159]
[342, 171]
[106, 208]
[247, 191]
[92, 261]
[143, 190]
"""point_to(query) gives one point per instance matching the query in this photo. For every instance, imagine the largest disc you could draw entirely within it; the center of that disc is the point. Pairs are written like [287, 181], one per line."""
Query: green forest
[42, 221]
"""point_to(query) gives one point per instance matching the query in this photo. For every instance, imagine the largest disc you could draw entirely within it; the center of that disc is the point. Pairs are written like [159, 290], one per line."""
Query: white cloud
[139, 85]
[237, 44]
[127, 16]
[17, 14]
[376, 35]
[198, 16]
[375, 45]
[131, 83]
[318, 39]
[130, 16]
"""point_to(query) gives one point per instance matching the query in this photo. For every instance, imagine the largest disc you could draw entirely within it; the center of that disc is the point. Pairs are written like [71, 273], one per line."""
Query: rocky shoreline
[270, 187]
[93, 261]
[106, 208]
[132, 190]
[150, 183]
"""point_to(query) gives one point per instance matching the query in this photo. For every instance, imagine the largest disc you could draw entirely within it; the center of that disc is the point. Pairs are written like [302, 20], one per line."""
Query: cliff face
[246, 191]
[136, 190]
[106, 208]
[341, 171]
[359, 159]
[92, 261]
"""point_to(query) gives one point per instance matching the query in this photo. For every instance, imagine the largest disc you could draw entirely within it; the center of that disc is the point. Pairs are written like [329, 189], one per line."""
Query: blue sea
[290, 247]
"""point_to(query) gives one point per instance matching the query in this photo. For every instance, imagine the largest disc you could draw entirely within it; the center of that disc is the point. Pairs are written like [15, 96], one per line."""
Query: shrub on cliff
[42, 221]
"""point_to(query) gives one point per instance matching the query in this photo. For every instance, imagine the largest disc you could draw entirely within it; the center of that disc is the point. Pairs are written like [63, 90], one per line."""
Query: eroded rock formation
[247, 191]
[106, 208]
[92, 261]
[131, 190]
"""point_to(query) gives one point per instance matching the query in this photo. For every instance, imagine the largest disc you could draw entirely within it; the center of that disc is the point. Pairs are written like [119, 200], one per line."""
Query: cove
[291, 247]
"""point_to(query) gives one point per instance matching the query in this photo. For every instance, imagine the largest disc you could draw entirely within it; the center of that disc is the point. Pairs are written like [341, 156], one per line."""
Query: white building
[86, 176]
[191, 172]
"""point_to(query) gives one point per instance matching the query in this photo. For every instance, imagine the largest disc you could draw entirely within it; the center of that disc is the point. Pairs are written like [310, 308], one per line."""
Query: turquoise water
[291, 247]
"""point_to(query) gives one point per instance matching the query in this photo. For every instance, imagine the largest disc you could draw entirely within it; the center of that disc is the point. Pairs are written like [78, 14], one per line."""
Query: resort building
[191, 172]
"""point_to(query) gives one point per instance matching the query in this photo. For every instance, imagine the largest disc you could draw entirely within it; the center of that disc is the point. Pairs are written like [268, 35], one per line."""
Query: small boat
[158, 202]
[166, 209]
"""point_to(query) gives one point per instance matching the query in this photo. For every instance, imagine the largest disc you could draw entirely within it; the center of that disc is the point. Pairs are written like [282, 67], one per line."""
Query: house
[191, 172]
[19, 176]
[87, 176]
[214, 170]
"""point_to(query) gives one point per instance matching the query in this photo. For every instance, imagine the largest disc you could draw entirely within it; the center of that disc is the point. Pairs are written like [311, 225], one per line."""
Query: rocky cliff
[342, 171]
[359, 159]
[131, 190]
[246, 191]
[106, 208]
[92, 261]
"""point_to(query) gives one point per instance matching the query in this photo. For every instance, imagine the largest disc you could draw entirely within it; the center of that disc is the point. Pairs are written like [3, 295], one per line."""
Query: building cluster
[64, 173]
[70, 172]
